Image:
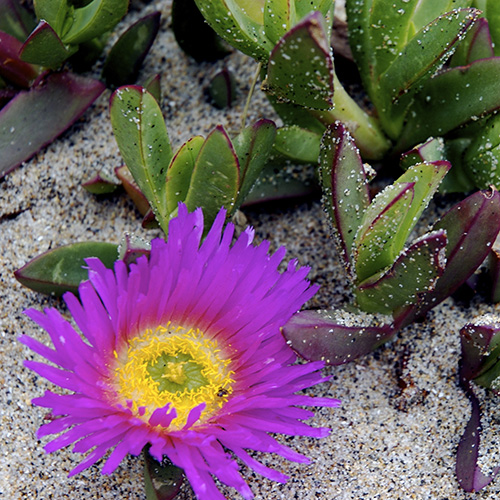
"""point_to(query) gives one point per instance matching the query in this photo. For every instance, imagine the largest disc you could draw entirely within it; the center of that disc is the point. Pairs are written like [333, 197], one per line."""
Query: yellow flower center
[173, 365]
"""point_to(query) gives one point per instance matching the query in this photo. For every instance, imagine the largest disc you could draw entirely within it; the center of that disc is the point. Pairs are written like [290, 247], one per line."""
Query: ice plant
[183, 352]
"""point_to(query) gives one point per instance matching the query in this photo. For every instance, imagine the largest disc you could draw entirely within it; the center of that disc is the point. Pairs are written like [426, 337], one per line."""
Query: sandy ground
[387, 442]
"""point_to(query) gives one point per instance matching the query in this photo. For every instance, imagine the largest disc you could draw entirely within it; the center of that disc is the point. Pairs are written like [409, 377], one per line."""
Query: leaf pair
[207, 173]
[388, 278]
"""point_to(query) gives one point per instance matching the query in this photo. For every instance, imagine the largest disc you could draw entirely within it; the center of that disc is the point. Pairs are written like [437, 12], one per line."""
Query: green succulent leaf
[153, 86]
[482, 156]
[492, 13]
[128, 53]
[222, 89]
[345, 188]
[216, 177]
[54, 12]
[392, 215]
[240, 23]
[279, 17]
[44, 47]
[413, 274]
[94, 19]
[180, 171]
[253, 146]
[419, 58]
[453, 97]
[298, 144]
[142, 137]
[300, 66]
[63, 269]
[162, 481]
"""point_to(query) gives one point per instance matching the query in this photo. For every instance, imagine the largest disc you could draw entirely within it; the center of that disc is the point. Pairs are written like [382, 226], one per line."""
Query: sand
[386, 442]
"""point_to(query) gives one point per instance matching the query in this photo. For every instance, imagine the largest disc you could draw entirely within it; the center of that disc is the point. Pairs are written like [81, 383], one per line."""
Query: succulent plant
[40, 104]
[480, 365]
[388, 277]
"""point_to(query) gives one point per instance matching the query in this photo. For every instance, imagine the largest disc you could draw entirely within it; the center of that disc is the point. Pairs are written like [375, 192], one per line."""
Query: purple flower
[183, 352]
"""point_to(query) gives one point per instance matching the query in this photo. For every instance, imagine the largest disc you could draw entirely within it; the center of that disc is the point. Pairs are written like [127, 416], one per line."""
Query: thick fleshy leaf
[431, 150]
[279, 17]
[222, 89]
[153, 86]
[392, 215]
[345, 187]
[11, 67]
[44, 47]
[419, 58]
[253, 146]
[492, 13]
[298, 144]
[57, 13]
[476, 45]
[128, 53]
[335, 336]
[35, 118]
[194, 36]
[468, 472]
[142, 137]
[132, 247]
[481, 158]
[216, 177]
[162, 481]
[180, 171]
[240, 24]
[94, 19]
[471, 228]
[300, 66]
[101, 183]
[63, 269]
[132, 189]
[15, 19]
[413, 275]
[453, 97]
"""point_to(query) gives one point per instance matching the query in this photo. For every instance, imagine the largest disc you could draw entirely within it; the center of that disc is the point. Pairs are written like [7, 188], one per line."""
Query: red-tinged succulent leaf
[431, 150]
[476, 87]
[63, 269]
[11, 67]
[132, 247]
[149, 220]
[476, 45]
[216, 177]
[153, 86]
[6, 95]
[101, 184]
[222, 89]
[15, 19]
[471, 228]
[468, 472]
[300, 66]
[35, 118]
[336, 337]
[162, 481]
[44, 47]
[127, 55]
[132, 189]
[345, 187]
[414, 274]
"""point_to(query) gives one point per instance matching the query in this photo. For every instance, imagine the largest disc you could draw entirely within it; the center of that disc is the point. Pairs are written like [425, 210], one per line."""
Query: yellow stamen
[173, 365]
